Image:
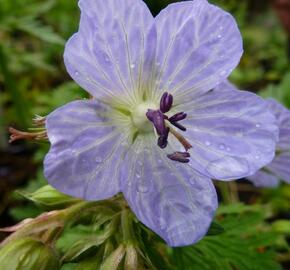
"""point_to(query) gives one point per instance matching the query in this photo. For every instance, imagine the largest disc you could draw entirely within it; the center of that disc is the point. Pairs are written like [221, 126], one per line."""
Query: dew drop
[162, 223]
[98, 159]
[207, 143]
[219, 36]
[222, 147]
[138, 175]
[132, 66]
[229, 149]
[258, 125]
[142, 187]
[223, 73]
[77, 73]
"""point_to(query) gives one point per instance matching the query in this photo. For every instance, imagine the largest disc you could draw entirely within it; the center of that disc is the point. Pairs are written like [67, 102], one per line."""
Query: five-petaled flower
[155, 130]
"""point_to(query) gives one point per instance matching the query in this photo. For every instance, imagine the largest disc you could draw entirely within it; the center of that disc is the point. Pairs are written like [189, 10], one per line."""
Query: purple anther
[157, 118]
[150, 115]
[166, 102]
[178, 117]
[181, 127]
[182, 157]
[162, 140]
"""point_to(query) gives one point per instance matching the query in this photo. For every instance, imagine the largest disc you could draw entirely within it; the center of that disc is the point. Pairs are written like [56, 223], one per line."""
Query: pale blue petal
[170, 198]
[198, 46]
[264, 179]
[86, 151]
[112, 54]
[233, 134]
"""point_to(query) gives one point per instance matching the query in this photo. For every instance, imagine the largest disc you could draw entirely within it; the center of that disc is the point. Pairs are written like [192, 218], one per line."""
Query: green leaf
[215, 228]
[244, 245]
[43, 32]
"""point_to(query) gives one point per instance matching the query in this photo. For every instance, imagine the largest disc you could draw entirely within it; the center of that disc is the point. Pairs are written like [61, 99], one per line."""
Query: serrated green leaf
[215, 228]
[244, 245]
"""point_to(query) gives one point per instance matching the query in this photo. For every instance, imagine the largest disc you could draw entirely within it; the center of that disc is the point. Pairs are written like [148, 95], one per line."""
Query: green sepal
[88, 245]
[113, 261]
[28, 253]
[49, 198]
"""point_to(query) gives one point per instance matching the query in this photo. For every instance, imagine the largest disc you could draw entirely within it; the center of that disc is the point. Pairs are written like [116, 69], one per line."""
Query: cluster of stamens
[37, 133]
[159, 119]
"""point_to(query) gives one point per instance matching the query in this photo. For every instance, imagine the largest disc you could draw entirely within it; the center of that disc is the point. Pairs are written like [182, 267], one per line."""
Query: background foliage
[33, 80]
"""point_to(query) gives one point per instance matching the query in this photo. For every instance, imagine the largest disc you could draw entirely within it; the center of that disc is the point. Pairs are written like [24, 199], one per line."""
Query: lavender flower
[279, 168]
[154, 130]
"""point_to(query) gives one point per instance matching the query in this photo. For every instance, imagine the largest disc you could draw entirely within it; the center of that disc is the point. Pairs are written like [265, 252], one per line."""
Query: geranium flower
[279, 168]
[155, 130]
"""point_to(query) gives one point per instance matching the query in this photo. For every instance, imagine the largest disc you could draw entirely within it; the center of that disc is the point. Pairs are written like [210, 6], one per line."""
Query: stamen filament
[181, 139]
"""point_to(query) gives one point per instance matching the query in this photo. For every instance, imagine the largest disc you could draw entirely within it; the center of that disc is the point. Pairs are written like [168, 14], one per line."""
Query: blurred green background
[33, 81]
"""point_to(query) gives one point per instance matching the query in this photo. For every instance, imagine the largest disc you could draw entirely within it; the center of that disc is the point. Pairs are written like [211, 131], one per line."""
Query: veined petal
[233, 134]
[198, 45]
[280, 166]
[283, 117]
[112, 54]
[264, 179]
[170, 198]
[86, 151]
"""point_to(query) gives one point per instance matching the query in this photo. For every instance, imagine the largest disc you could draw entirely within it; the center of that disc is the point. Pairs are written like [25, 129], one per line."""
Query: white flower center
[139, 118]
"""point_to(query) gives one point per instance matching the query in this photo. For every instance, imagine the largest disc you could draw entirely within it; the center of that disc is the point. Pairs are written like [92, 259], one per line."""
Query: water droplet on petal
[219, 36]
[98, 159]
[223, 73]
[142, 187]
[162, 223]
[229, 149]
[132, 66]
[77, 73]
[258, 125]
[207, 143]
[222, 146]
[196, 181]
[138, 175]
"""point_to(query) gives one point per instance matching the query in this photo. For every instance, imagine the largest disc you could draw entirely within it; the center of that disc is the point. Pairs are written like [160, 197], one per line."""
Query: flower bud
[26, 254]
[131, 259]
[50, 198]
[114, 259]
